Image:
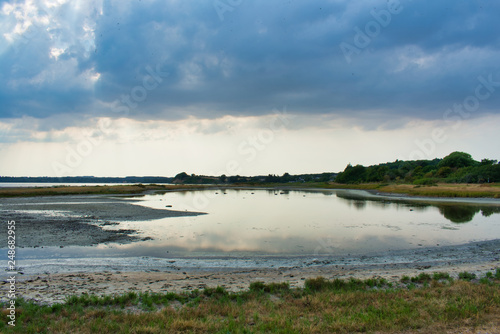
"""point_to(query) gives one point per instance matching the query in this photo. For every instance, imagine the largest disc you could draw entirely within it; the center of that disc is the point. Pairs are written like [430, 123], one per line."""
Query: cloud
[232, 145]
[94, 58]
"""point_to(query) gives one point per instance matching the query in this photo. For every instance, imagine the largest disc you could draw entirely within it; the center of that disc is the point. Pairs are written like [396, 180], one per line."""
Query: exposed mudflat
[75, 220]
[49, 281]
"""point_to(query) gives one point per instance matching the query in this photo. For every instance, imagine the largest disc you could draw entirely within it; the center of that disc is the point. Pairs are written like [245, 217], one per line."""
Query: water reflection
[456, 213]
[465, 214]
[488, 211]
[278, 222]
[360, 205]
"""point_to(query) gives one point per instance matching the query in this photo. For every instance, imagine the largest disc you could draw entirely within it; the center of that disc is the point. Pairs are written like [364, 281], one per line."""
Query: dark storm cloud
[247, 57]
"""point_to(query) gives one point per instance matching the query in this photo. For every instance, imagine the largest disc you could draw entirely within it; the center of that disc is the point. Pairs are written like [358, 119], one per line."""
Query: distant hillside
[458, 167]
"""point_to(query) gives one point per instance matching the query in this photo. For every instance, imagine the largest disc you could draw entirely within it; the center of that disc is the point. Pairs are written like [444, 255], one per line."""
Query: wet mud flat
[76, 220]
[49, 284]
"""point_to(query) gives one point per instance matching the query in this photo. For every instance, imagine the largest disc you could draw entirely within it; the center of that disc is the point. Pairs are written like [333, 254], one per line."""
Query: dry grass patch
[323, 306]
[490, 190]
[91, 190]
[445, 190]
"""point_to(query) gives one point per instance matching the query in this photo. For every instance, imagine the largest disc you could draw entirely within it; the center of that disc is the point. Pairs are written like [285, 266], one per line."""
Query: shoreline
[453, 191]
[48, 281]
[49, 284]
[373, 194]
[49, 288]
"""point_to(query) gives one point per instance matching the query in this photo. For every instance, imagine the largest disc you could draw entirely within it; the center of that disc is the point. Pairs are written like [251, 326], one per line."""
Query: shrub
[271, 287]
[438, 276]
[218, 291]
[426, 181]
[405, 279]
[421, 278]
[466, 276]
[316, 284]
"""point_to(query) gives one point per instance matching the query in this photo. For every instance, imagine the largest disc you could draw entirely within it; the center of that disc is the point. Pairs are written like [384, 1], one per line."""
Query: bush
[438, 276]
[405, 279]
[218, 291]
[466, 276]
[316, 284]
[426, 182]
[421, 278]
[270, 288]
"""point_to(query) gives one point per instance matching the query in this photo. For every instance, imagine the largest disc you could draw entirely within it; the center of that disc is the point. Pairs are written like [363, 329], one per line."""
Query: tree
[444, 172]
[488, 162]
[285, 178]
[181, 176]
[352, 174]
[457, 160]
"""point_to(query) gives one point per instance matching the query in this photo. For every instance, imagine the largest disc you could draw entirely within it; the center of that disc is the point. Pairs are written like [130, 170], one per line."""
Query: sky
[239, 87]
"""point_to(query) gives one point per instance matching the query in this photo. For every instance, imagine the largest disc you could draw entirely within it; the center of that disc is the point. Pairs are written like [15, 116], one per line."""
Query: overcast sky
[143, 87]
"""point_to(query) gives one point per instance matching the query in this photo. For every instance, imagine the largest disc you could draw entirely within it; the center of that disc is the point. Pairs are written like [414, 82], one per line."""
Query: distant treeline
[185, 178]
[87, 179]
[458, 167]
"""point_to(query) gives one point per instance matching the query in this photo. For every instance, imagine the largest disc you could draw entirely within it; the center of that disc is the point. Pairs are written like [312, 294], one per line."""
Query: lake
[289, 223]
[274, 228]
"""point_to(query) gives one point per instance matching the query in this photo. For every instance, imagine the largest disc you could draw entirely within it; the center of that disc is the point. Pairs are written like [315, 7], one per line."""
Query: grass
[361, 186]
[322, 306]
[91, 190]
[490, 190]
[445, 190]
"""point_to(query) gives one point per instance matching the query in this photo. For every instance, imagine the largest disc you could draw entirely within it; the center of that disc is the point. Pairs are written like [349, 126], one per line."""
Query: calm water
[48, 184]
[257, 222]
